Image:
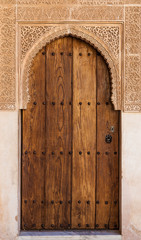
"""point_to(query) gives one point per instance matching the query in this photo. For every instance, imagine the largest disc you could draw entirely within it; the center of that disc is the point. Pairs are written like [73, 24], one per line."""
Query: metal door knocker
[108, 138]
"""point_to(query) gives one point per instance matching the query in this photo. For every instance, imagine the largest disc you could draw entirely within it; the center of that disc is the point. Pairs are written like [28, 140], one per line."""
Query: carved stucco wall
[122, 48]
[103, 37]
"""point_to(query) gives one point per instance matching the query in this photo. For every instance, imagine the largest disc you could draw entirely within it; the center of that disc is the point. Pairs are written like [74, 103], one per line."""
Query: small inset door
[70, 135]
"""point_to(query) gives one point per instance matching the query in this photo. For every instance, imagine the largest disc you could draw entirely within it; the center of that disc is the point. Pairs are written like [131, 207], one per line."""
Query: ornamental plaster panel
[7, 57]
[65, 12]
[76, 2]
[56, 11]
[34, 37]
[132, 59]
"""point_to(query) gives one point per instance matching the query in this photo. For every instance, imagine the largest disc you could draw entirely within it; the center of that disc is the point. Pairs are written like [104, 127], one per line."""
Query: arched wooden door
[70, 136]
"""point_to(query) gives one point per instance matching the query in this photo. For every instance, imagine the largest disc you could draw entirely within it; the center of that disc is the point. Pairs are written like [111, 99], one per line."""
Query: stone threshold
[68, 235]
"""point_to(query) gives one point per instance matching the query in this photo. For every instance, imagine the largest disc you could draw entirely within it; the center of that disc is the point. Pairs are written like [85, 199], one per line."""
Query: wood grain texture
[33, 144]
[107, 161]
[70, 176]
[58, 133]
[84, 135]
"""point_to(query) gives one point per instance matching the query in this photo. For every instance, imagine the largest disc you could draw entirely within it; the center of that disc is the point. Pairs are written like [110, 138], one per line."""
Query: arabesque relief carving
[34, 37]
[25, 25]
[7, 58]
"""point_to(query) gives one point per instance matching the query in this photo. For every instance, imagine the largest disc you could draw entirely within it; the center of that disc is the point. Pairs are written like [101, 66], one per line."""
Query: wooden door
[69, 141]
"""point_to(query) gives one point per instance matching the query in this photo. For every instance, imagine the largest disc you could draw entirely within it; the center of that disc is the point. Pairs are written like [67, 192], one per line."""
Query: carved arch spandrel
[78, 32]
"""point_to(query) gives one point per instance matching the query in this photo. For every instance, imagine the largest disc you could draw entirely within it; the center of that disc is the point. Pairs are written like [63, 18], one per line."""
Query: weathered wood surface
[70, 175]
[107, 193]
[84, 135]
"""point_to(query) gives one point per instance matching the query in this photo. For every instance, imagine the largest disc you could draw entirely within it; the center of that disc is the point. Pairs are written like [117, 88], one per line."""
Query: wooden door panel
[69, 173]
[33, 146]
[84, 135]
[107, 153]
[58, 133]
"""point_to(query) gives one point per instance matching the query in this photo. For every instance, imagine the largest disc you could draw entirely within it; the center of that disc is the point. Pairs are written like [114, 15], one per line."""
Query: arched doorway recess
[70, 135]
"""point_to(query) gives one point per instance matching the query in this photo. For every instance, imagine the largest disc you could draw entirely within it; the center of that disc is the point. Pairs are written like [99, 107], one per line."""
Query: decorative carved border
[7, 57]
[105, 38]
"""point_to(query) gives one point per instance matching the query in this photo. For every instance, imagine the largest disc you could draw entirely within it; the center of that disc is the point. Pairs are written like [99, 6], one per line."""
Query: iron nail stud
[80, 153]
[53, 54]
[79, 201]
[35, 103]
[80, 54]
[88, 202]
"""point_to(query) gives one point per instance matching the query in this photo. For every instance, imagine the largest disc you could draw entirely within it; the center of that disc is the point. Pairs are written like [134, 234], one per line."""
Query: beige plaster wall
[8, 175]
[131, 176]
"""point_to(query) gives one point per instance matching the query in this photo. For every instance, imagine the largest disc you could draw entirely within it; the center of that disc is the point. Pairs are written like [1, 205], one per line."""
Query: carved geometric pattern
[94, 35]
[65, 12]
[75, 2]
[109, 35]
[29, 11]
[7, 57]
[132, 59]
[29, 35]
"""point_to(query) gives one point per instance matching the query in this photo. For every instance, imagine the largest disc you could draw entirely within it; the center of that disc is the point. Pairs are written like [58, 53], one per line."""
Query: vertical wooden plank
[84, 135]
[58, 133]
[33, 148]
[107, 184]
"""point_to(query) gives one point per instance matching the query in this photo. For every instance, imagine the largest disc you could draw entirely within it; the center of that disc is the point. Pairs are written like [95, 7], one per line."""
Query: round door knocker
[108, 138]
